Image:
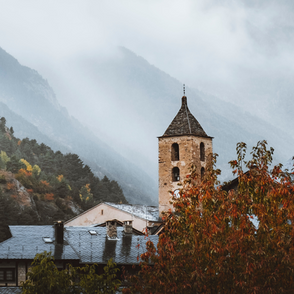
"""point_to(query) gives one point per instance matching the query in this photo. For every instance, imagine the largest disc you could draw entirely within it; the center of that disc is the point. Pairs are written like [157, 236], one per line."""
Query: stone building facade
[184, 143]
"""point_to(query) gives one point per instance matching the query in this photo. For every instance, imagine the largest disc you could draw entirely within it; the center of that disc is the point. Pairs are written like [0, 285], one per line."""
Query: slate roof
[184, 123]
[150, 213]
[125, 249]
[27, 241]
[79, 245]
[10, 290]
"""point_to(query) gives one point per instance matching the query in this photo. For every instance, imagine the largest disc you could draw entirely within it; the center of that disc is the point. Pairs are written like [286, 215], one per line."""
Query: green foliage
[3, 159]
[36, 171]
[4, 229]
[2, 124]
[44, 277]
[14, 165]
[85, 194]
[2, 179]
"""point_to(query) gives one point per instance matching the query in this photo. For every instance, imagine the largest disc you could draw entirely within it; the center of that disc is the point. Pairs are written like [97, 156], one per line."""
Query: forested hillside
[29, 104]
[39, 185]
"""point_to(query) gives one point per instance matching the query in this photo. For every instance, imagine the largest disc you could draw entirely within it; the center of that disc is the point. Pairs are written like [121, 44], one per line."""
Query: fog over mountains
[129, 102]
[120, 105]
[30, 106]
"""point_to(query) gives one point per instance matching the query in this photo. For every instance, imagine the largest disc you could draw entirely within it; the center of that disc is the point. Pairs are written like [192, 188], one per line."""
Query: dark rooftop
[79, 244]
[184, 123]
[125, 249]
[27, 241]
[10, 290]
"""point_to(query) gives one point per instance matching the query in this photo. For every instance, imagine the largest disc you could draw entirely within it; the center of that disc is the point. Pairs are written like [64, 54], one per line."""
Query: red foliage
[13, 196]
[9, 186]
[211, 245]
[45, 183]
[49, 196]
[23, 171]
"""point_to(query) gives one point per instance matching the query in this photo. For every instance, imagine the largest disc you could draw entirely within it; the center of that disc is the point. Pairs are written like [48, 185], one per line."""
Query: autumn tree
[218, 241]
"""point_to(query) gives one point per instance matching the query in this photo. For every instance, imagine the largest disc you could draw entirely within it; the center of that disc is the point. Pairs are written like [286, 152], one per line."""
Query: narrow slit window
[202, 172]
[175, 154]
[202, 152]
[175, 174]
[101, 211]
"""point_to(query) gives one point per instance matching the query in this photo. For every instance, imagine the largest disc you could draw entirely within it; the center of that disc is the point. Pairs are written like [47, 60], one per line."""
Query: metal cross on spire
[184, 89]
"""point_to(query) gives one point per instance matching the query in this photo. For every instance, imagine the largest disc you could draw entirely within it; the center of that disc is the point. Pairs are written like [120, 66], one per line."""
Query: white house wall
[102, 213]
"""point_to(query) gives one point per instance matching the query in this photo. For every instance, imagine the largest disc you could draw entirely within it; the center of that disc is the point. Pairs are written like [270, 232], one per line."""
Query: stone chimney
[128, 227]
[58, 228]
[111, 229]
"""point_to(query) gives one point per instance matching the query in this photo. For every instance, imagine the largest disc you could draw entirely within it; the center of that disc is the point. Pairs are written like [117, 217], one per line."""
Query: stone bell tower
[183, 143]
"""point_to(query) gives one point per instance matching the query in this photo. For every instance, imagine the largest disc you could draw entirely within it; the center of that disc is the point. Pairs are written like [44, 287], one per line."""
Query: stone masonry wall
[21, 272]
[189, 153]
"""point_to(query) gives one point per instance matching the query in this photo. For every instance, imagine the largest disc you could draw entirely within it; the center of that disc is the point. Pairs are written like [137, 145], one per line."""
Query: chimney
[111, 229]
[58, 227]
[128, 227]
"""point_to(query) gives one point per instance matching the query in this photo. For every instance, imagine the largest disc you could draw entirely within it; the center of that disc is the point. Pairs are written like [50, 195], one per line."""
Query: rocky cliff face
[20, 204]
[16, 191]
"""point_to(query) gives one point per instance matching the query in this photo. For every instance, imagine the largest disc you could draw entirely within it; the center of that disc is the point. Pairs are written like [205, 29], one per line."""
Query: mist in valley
[118, 67]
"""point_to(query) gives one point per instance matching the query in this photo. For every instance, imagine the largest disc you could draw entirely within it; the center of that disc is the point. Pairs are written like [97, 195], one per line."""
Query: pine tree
[4, 229]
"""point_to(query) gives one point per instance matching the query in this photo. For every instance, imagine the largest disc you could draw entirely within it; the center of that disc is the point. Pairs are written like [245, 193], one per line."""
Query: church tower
[183, 143]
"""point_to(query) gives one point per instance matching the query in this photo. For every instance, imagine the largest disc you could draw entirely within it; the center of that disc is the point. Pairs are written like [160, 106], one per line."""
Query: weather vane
[184, 89]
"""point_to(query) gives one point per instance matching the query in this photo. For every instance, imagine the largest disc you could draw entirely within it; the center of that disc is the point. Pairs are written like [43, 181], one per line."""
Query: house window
[175, 154]
[7, 274]
[175, 174]
[101, 211]
[202, 152]
[202, 172]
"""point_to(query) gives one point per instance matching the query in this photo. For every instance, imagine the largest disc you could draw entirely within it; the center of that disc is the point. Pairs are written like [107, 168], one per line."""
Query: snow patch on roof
[150, 213]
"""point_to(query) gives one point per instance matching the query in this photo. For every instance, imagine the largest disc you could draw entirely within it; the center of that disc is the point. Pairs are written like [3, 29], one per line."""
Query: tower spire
[184, 90]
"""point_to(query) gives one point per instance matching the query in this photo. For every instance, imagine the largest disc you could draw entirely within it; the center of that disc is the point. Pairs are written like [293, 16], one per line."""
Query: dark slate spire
[184, 123]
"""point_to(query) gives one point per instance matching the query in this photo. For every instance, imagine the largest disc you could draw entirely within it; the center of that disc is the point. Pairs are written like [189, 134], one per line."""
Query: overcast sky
[199, 42]
[238, 50]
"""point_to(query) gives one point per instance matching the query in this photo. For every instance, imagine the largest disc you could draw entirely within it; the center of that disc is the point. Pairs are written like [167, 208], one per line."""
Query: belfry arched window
[175, 154]
[175, 174]
[202, 172]
[202, 152]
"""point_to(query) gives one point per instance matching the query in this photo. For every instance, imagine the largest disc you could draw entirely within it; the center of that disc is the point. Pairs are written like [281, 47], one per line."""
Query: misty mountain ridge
[144, 100]
[26, 96]
[127, 103]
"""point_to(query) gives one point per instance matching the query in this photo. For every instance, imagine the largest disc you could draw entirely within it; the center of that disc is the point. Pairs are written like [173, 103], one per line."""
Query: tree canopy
[44, 277]
[218, 241]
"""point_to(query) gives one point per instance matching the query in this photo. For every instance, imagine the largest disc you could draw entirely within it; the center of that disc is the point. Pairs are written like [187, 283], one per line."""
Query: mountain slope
[49, 184]
[28, 95]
